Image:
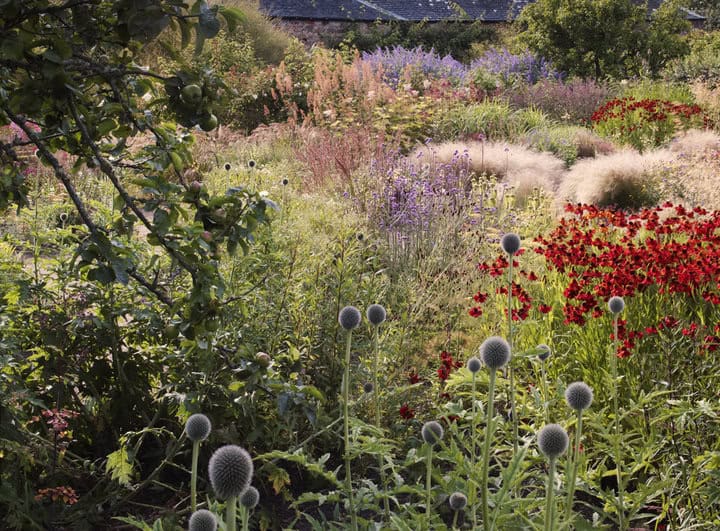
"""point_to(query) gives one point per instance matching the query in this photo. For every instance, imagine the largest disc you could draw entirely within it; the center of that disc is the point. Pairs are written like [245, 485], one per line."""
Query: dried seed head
[349, 317]
[197, 427]
[230, 471]
[616, 304]
[578, 396]
[553, 441]
[495, 352]
[250, 498]
[376, 314]
[510, 243]
[432, 432]
[202, 520]
[457, 501]
[473, 365]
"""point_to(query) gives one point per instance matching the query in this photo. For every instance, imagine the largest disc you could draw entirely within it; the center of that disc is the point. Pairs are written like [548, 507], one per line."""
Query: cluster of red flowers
[447, 364]
[406, 412]
[652, 111]
[608, 252]
[65, 494]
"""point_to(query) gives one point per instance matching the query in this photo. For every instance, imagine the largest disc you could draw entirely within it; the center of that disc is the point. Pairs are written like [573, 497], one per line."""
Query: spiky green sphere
[578, 396]
[197, 427]
[495, 352]
[553, 441]
[544, 352]
[250, 498]
[432, 432]
[376, 314]
[457, 501]
[616, 304]
[349, 317]
[510, 243]
[473, 365]
[230, 470]
[202, 520]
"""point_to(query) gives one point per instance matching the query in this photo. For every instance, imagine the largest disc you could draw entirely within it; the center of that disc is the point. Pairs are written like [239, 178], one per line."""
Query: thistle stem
[193, 476]
[376, 390]
[473, 428]
[573, 464]
[549, 520]
[245, 518]
[616, 411]
[428, 487]
[546, 400]
[230, 517]
[486, 450]
[511, 370]
[346, 399]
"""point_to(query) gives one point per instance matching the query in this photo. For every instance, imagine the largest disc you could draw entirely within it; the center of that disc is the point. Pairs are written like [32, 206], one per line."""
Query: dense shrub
[415, 66]
[702, 63]
[515, 69]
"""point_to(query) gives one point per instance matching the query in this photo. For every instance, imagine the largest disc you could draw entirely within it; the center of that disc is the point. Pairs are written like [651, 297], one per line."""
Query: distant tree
[603, 38]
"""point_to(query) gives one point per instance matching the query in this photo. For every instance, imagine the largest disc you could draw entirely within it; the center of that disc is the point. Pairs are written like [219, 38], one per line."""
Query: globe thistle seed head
[553, 441]
[285, 181]
[474, 364]
[368, 387]
[198, 427]
[432, 432]
[202, 520]
[376, 314]
[360, 236]
[250, 498]
[616, 304]
[510, 243]
[251, 164]
[544, 351]
[230, 471]
[349, 317]
[227, 166]
[579, 396]
[457, 501]
[495, 352]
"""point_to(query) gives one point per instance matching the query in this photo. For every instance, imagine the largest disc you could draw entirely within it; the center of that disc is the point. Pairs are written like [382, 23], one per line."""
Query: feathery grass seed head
[544, 351]
[197, 427]
[495, 352]
[349, 317]
[457, 501]
[473, 365]
[553, 441]
[432, 432]
[579, 396]
[250, 498]
[376, 314]
[510, 243]
[616, 304]
[202, 520]
[230, 471]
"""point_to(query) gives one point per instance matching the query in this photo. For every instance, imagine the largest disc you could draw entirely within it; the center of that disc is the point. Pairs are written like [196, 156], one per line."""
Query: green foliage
[605, 38]
[494, 120]
[702, 63]
[448, 37]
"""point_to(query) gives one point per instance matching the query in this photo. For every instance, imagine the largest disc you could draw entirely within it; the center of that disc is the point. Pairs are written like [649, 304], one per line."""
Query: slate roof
[413, 10]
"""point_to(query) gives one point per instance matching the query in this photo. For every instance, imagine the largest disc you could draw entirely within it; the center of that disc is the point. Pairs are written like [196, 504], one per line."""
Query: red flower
[544, 308]
[413, 377]
[443, 373]
[407, 412]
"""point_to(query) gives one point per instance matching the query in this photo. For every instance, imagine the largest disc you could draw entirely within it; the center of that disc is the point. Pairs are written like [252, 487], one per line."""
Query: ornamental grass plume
[553, 442]
[578, 396]
[197, 429]
[432, 433]
[495, 353]
[202, 520]
[349, 318]
[230, 471]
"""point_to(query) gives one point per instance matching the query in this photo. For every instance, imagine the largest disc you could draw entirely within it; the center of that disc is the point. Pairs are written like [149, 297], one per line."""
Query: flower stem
[616, 411]
[549, 520]
[486, 450]
[573, 464]
[193, 476]
[230, 517]
[510, 367]
[376, 390]
[346, 399]
[428, 487]
[473, 428]
[245, 518]
[546, 399]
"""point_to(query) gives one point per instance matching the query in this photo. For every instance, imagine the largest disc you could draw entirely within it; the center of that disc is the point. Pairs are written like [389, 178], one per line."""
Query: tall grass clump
[515, 69]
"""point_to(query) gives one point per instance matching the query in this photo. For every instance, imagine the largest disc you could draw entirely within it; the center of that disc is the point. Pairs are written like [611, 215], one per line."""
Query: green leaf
[232, 16]
[119, 466]
[208, 23]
